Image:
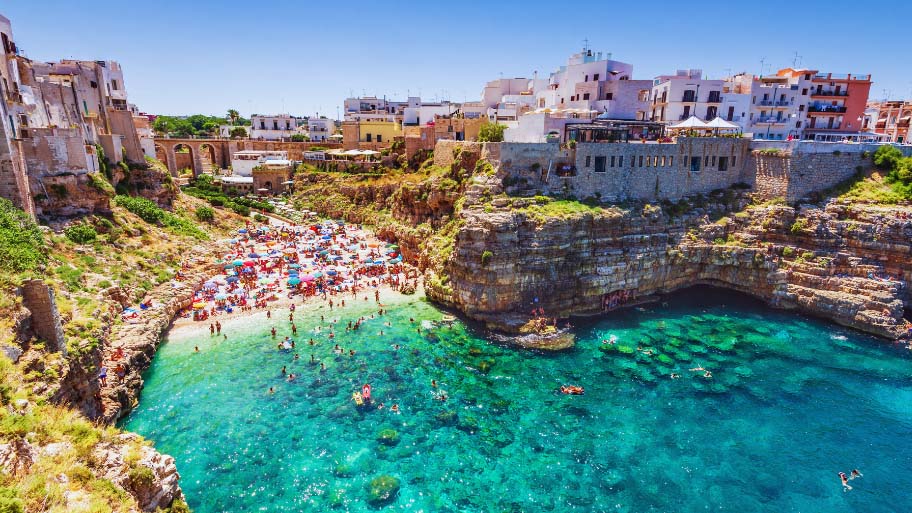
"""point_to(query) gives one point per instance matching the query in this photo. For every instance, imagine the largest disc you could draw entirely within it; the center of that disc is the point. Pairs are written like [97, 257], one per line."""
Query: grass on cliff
[543, 208]
[890, 183]
[72, 468]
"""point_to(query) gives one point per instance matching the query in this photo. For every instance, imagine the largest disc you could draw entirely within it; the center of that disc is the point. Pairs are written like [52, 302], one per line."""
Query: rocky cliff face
[829, 261]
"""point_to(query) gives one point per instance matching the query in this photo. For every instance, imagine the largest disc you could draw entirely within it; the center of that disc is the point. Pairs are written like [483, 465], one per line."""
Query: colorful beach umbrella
[294, 281]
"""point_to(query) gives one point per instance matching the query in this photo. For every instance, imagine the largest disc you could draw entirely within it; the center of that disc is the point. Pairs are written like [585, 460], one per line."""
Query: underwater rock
[382, 490]
[468, 424]
[343, 470]
[388, 437]
[446, 418]
[336, 498]
[485, 366]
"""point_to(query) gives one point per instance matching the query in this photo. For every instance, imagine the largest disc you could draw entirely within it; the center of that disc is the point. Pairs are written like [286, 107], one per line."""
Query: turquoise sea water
[791, 402]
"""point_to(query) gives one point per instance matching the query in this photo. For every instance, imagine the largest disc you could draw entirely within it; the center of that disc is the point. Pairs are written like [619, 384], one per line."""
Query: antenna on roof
[586, 44]
[796, 61]
[762, 61]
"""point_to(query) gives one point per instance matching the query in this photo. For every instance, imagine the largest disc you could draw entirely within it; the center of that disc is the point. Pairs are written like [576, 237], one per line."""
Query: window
[275, 125]
[262, 125]
[714, 161]
[689, 95]
[595, 77]
[114, 85]
[798, 124]
[694, 163]
[379, 138]
[733, 161]
[621, 161]
[804, 92]
[585, 96]
[94, 84]
[588, 160]
[612, 160]
[586, 79]
[807, 76]
[715, 97]
[368, 138]
[723, 163]
[801, 108]
[609, 96]
[706, 161]
[670, 161]
[562, 101]
[600, 164]
[641, 161]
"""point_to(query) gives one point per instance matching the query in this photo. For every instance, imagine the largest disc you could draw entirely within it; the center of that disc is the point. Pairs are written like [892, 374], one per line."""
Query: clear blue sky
[302, 57]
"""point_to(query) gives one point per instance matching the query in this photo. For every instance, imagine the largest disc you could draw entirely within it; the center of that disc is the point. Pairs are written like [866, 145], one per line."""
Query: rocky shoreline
[572, 266]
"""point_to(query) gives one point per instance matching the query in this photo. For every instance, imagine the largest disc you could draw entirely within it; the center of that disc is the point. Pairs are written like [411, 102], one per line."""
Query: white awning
[721, 123]
[691, 122]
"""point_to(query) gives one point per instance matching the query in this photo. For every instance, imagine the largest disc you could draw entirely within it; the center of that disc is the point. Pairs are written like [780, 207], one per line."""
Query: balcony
[829, 93]
[772, 120]
[826, 109]
[836, 126]
[714, 99]
[773, 103]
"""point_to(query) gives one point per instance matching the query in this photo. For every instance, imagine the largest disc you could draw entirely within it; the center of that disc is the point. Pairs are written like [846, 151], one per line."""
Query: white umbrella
[720, 123]
[691, 122]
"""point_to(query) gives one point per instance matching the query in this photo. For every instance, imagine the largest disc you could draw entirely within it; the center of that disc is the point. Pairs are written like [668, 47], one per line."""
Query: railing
[826, 108]
[769, 119]
[829, 93]
[689, 99]
[714, 99]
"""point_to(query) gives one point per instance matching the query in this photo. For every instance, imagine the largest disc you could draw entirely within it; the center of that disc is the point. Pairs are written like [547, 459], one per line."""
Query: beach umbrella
[317, 274]
[393, 246]
[232, 279]
[337, 257]
[242, 230]
[292, 272]
[253, 255]
[294, 281]
[326, 237]
[221, 296]
[229, 268]
[199, 306]
[238, 263]
[308, 278]
[294, 266]
[331, 273]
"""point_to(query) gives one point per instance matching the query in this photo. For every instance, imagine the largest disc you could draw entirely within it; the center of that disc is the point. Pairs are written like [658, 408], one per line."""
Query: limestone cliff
[829, 261]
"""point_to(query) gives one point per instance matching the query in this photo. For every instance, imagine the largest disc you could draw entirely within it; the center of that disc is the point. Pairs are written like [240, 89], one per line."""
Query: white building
[243, 162]
[320, 128]
[425, 112]
[778, 106]
[273, 128]
[675, 98]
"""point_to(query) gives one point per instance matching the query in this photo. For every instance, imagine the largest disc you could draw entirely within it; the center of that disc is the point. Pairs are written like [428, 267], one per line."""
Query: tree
[205, 214]
[237, 133]
[491, 132]
[298, 138]
[233, 116]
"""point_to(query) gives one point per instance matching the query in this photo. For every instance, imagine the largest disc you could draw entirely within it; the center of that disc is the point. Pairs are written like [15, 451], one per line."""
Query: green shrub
[9, 501]
[798, 226]
[238, 208]
[205, 214]
[141, 476]
[98, 181]
[81, 233]
[260, 218]
[486, 257]
[22, 246]
[886, 157]
[788, 252]
[491, 132]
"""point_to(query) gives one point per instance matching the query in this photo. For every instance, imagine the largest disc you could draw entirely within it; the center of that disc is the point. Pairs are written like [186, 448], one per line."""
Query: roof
[237, 179]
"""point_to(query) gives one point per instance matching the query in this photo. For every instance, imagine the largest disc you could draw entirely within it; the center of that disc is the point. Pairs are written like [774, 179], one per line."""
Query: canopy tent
[691, 123]
[720, 123]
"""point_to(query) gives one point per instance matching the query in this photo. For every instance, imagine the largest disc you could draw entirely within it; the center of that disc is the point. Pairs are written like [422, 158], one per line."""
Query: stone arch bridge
[197, 154]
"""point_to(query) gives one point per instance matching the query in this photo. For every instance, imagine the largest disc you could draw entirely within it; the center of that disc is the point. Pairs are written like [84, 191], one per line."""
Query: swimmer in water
[271, 390]
[855, 473]
[395, 409]
[196, 348]
[433, 383]
[845, 482]
[296, 356]
[322, 366]
[283, 370]
[675, 375]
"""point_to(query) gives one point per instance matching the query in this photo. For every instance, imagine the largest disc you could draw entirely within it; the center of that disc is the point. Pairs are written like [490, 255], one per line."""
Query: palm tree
[233, 115]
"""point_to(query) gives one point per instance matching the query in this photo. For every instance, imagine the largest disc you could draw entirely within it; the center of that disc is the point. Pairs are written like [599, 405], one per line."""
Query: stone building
[53, 116]
[270, 177]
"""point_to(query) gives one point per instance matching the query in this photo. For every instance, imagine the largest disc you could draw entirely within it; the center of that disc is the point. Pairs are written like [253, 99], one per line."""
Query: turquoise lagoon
[791, 402]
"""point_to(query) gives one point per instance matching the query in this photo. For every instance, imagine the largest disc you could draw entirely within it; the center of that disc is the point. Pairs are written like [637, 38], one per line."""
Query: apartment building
[320, 129]
[891, 119]
[273, 127]
[674, 98]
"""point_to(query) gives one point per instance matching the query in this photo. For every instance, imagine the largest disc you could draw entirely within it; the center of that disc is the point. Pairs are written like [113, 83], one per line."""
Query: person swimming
[855, 473]
[394, 408]
[283, 370]
[845, 482]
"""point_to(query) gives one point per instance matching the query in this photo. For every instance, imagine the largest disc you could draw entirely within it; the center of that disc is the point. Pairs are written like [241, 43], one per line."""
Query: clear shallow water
[792, 401]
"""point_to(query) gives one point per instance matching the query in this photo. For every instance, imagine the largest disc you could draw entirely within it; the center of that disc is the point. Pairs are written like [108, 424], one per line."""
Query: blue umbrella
[294, 281]
[292, 272]
[326, 237]
[232, 279]
[238, 263]
[242, 230]
[253, 255]
[294, 266]
[331, 273]
[317, 274]
[337, 257]
[221, 296]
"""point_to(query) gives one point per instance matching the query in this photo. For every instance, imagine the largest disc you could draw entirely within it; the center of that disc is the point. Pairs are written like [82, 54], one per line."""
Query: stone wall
[630, 170]
[38, 298]
[797, 174]
[13, 179]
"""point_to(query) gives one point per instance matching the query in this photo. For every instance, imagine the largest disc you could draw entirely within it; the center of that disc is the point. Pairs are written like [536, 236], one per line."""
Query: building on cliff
[55, 114]
[891, 119]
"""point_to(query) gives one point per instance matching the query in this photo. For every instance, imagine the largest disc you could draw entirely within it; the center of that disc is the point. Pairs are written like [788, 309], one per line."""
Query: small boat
[356, 397]
[449, 319]
[572, 390]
